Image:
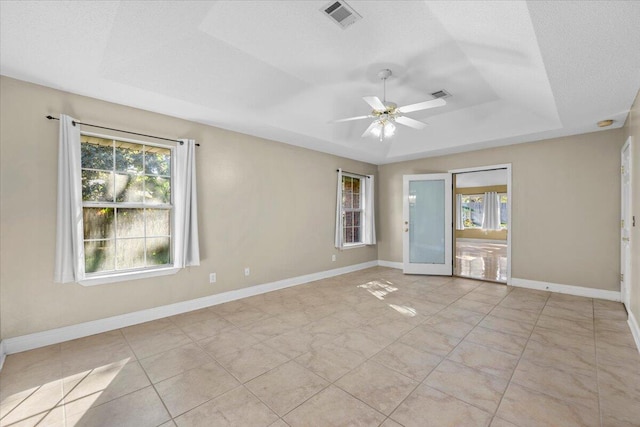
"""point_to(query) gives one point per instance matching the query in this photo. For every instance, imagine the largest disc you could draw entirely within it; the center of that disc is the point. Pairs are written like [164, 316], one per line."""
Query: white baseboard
[3, 355]
[390, 264]
[635, 328]
[58, 335]
[566, 289]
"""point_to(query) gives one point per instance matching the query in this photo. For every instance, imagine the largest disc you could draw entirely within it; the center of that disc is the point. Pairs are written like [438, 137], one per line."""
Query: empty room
[319, 213]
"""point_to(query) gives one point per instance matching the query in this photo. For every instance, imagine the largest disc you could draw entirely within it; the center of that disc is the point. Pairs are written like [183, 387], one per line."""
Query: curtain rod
[353, 173]
[121, 130]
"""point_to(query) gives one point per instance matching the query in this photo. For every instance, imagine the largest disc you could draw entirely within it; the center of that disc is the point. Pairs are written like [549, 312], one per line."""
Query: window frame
[500, 194]
[97, 278]
[361, 211]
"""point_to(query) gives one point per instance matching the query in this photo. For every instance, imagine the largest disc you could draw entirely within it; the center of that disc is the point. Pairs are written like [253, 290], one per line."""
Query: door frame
[625, 261]
[506, 166]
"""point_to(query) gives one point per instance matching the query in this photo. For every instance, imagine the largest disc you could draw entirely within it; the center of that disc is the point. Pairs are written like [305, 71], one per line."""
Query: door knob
[406, 230]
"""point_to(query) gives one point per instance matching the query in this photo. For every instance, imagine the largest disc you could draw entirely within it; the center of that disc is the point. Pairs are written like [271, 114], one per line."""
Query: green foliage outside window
[126, 193]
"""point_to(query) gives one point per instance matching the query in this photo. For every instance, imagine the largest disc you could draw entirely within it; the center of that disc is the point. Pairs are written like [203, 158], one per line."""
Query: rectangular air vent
[341, 13]
[441, 94]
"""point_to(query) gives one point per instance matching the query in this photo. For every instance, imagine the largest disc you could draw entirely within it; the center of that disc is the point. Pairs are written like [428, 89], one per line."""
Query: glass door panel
[427, 227]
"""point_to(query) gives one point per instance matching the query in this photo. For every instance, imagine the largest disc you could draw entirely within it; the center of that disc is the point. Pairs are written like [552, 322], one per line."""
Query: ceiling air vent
[341, 13]
[441, 94]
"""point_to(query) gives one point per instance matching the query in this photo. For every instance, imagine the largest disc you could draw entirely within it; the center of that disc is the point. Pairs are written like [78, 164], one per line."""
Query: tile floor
[369, 348]
[481, 260]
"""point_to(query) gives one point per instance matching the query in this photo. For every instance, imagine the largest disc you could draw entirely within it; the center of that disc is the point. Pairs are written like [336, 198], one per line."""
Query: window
[352, 209]
[473, 209]
[126, 205]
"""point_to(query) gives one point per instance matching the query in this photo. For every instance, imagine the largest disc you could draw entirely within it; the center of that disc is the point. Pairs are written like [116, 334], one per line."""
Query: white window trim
[128, 275]
[353, 245]
[92, 279]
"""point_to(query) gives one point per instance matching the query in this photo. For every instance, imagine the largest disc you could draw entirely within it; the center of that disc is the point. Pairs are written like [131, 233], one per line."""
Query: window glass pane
[99, 256]
[97, 186]
[356, 200]
[346, 183]
[157, 161]
[96, 153]
[158, 251]
[348, 219]
[158, 222]
[130, 253]
[347, 200]
[356, 234]
[356, 185]
[126, 172]
[472, 209]
[503, 211]
[130, 222]
[129, 188]
[98, 223]
[348, 235]
[356, 218]
[158, 190]
[128, 157]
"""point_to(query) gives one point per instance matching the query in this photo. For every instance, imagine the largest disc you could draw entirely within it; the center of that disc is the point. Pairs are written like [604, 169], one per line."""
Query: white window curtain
[69, 257]
[459, 213]
[369, 237]
[491, 211]
[339, 243]
[186, 245]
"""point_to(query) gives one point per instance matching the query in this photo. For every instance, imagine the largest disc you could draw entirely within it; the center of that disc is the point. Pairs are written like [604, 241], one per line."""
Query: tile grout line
[240, 383]
[444, 357]
[456, 346]
[147, 375]
[520, 357]
[356, 367]
[595, 349]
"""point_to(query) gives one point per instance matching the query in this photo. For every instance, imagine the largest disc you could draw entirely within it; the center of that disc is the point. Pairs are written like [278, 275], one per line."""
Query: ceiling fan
[386, 113]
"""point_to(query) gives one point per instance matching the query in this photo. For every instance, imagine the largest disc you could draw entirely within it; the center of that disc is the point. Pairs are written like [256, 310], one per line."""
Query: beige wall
[262, 204]
[632, 128]
[565, 206]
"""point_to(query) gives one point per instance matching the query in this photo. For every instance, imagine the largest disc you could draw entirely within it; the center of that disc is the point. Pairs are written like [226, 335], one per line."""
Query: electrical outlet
[333, 257]
[212, 278]
[247, 271]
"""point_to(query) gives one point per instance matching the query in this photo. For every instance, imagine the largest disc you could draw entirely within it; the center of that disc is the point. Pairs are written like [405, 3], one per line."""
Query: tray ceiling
[517, 71]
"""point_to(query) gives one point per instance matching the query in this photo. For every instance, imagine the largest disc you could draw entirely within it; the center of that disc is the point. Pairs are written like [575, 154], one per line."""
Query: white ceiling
[518, 71]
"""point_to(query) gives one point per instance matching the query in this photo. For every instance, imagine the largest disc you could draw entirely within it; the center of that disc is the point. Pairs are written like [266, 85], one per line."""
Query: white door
[625, 224]
[427, 227]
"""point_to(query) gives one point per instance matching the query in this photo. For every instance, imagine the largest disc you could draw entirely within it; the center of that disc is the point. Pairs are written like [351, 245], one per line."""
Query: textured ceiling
[518, 71]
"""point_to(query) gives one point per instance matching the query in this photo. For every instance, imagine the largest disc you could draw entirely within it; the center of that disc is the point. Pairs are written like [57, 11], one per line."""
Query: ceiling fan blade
[369, 129]
[375, 102]
[422, 105]
[412, 123]
[352, 118]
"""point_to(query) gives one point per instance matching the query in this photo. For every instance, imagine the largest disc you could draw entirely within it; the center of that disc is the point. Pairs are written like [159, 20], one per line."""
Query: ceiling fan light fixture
[386, 113]
[389, 129]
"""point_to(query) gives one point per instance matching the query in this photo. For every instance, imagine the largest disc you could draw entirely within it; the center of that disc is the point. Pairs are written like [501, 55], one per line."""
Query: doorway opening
[482, 218]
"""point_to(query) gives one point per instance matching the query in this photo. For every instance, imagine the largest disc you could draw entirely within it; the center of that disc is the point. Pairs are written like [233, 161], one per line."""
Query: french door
[427, 224]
